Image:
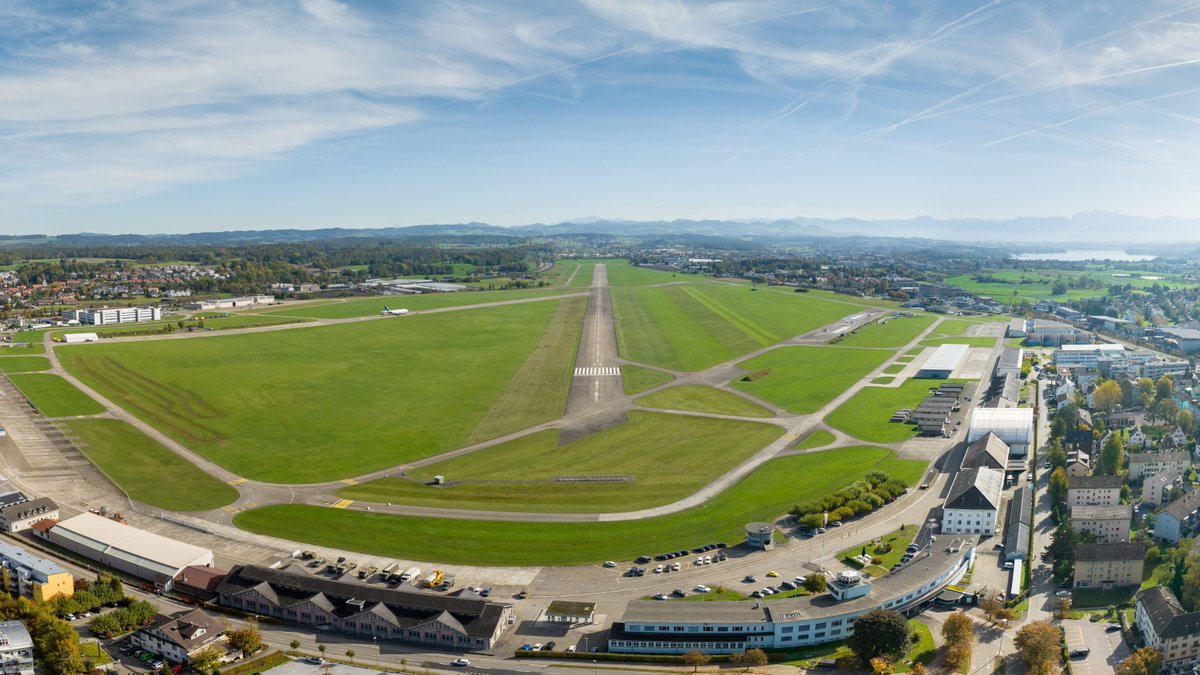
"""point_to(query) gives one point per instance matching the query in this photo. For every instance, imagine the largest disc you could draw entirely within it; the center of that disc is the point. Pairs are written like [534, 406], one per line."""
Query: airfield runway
[597, 379]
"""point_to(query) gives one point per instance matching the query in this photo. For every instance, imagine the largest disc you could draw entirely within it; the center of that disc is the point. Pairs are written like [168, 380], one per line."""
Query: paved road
[597, 379]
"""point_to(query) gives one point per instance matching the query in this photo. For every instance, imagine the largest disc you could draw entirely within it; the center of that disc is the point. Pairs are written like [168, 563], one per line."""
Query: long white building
[103, 317]
[123, 547]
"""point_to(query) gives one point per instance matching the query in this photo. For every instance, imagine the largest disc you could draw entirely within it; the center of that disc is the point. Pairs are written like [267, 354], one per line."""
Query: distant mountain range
[1090, 229]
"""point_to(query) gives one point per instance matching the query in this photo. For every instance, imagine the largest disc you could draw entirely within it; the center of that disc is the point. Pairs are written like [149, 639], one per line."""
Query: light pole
[375, 641]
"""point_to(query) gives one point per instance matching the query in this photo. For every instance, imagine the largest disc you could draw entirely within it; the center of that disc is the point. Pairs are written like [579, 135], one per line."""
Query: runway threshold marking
[343, 503]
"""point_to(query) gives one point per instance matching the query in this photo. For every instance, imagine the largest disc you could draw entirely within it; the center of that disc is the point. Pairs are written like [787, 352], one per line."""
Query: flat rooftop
[946, 357]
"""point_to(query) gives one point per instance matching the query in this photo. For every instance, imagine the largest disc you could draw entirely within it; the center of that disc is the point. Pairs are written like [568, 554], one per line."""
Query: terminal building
[104, 317]
[1086, 356]
[651, 627]
[142, 554]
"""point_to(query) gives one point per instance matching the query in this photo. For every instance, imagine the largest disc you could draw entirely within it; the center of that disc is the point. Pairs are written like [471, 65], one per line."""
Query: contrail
[1090, 113]
[933, 111]
[904, 50]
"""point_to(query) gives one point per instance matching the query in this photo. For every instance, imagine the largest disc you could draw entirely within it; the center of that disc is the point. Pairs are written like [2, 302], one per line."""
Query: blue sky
[144, 116]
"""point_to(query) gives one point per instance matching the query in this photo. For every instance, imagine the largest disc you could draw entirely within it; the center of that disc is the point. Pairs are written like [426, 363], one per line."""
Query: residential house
[25, 575]
[1107, 523]
[1078, 464]
[178, 638]
[1179, 518]
[16, 649]
[1158, 489]
[1166, 627]
[1178, 437]
[1143, 464]
[1093, 491]
[1137, 439]
[1109, 565]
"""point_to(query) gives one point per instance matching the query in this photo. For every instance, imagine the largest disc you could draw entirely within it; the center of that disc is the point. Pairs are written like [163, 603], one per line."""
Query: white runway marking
[597, 371]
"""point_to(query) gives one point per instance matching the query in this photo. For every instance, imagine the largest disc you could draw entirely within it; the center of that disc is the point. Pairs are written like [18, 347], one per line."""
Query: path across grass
[147, 471]
[374, 305]
[653, 459]
[764, 495]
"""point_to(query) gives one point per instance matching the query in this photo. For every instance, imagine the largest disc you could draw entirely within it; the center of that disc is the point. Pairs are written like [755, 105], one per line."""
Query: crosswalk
[597, 371]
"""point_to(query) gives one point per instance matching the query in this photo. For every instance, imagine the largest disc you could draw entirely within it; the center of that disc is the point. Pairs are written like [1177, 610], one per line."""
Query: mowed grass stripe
[764, 495]
[538, 391]
[703, 399]
[375, 305]
[147, 471]
[326, 402]
[54, 396]
[757, 334]
[733, 340]
[24, 364]
[652, 329]
[662, 457]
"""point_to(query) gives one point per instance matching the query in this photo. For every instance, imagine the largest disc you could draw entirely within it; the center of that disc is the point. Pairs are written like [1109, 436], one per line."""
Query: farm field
[147, 471]
[1036, 285]
[802, 379]
[637, 379]
[697, 325]
[24, 364]
[896, 333]
[274, 406]
[865, 416]
[664, 457]
[763, 495]
[54, 396]
[703, 399]
[374, 305]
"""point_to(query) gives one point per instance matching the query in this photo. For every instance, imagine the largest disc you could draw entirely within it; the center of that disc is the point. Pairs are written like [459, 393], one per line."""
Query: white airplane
[392, 312]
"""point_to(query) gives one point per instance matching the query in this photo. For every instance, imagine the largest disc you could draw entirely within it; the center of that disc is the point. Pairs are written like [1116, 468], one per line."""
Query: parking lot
[1106, 649]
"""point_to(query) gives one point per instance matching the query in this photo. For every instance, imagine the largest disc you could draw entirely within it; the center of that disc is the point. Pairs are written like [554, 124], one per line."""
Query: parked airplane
[392, 312]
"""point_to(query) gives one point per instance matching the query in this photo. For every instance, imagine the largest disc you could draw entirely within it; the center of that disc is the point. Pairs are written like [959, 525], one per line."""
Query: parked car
[607, 563]
[460, 662]
[571, 649]
[549, 646]
[1112, 628]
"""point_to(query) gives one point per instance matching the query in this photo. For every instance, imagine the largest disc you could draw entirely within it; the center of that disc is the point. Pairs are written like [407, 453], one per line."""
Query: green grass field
[896, 333]
[698, 325]
[816, 439]
[621, 273]
[802, 379]
[703, 399]
[666, 458]
[763, 495]
[538, 391]
[24, 364]
[865, 415]
[898, 541]
[318, 404]
[147, 471]
[637, 379]
[886, 379]
[54, 396]
[33, 345]
[894, 369]
[1036, 285]
[374, 305]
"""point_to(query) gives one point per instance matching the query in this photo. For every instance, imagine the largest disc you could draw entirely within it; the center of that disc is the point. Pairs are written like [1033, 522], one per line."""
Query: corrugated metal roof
[129, 543]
